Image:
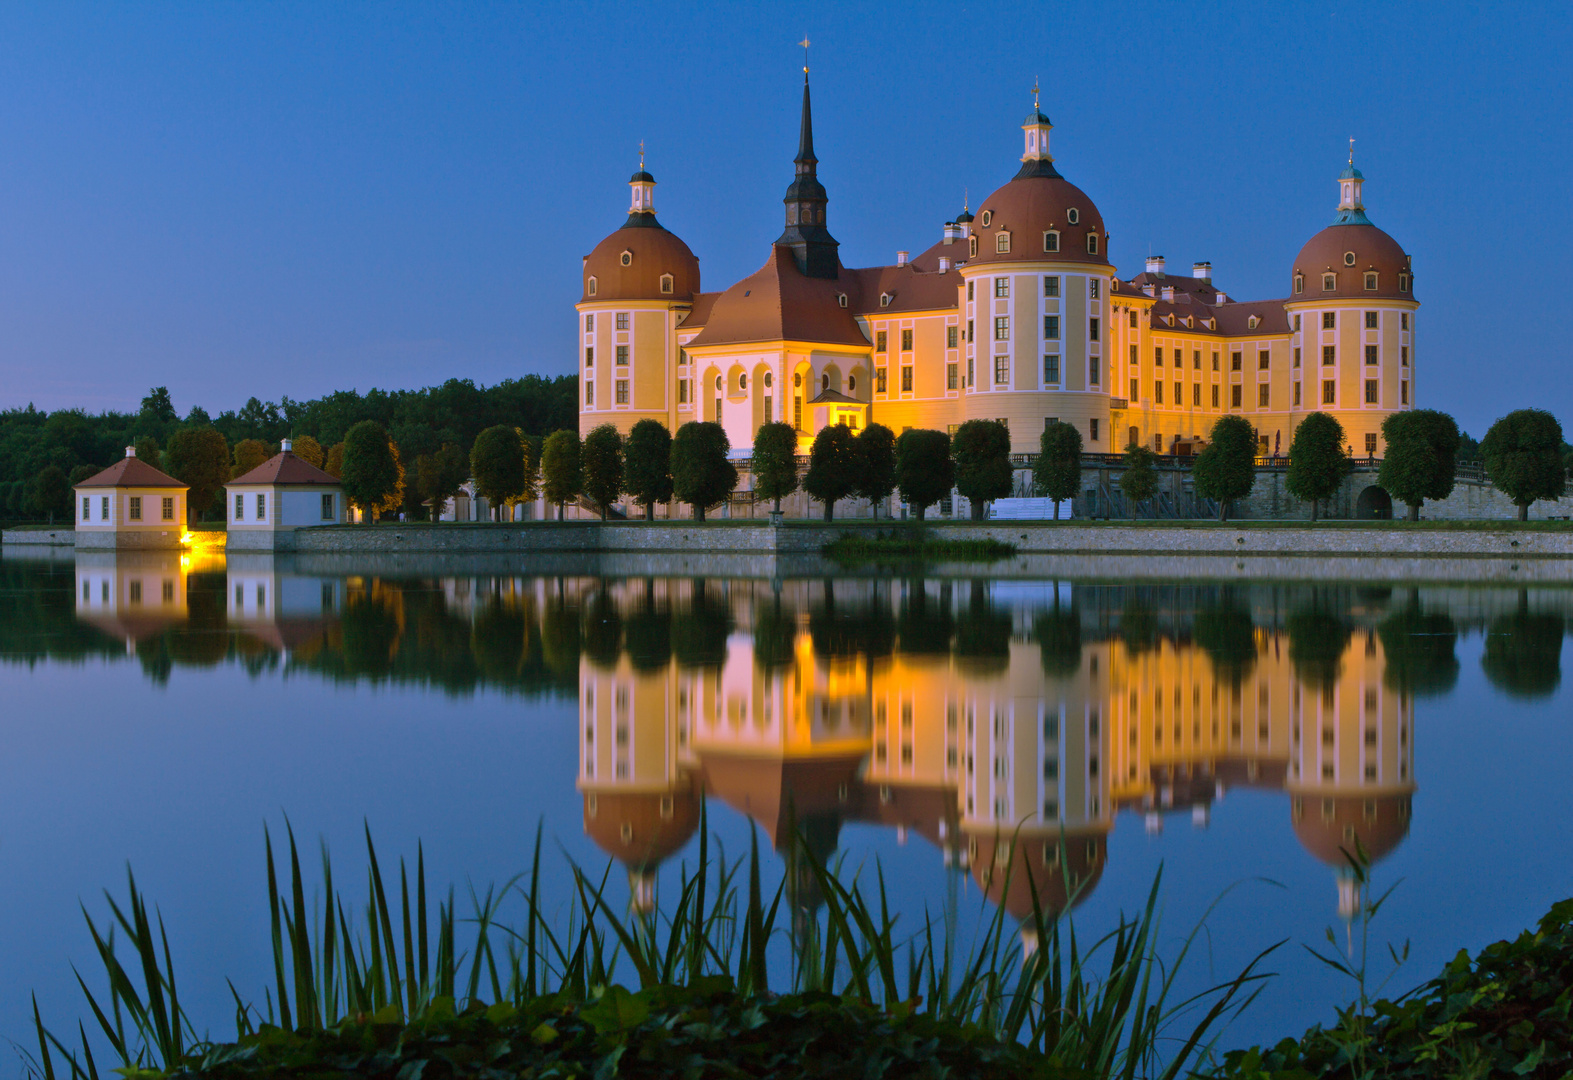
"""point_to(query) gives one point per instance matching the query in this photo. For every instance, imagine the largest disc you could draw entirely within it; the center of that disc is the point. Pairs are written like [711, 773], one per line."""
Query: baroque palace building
[1016, 314]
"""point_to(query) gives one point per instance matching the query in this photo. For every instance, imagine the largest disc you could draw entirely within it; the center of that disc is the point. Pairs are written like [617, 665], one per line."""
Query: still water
[1239, 737]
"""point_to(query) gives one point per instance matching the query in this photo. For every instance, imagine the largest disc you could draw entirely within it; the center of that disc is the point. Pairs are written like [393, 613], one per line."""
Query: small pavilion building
[130, 505]
[266, 505]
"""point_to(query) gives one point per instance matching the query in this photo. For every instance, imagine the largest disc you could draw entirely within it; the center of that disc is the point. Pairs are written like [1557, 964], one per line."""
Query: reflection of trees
[775, 635]
[603, 631]
[38, 616]
[1417, 648]
[924, 629]
[699, 634]
[1318, 636]
[1224, 631]
[647, 633]
[1138, 627]
[560, 636]
[1058, 634]
[983, 635]
[842, 630]
[369, 632]
[500, 642]
[1523, 655]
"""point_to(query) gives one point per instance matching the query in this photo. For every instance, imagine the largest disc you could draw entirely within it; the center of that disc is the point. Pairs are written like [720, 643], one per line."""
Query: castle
[1015, 314]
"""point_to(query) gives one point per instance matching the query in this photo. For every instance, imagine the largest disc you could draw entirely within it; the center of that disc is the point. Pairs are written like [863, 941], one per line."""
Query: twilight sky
[291, 199]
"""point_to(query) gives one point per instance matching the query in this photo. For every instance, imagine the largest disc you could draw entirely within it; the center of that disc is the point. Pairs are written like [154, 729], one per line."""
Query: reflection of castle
[133, 595]
[1007, 748]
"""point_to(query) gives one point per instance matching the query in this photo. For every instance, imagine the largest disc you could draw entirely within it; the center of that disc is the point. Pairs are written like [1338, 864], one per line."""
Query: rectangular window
[1329, 392]
[240, 508]
[1263, 359]
[1133, 318]
[1092, 243]
[589, 393]
[1002, 242]
[682, 391]
[970, 373]
[1297, 324]
[1297, 395]
[1370, 392]
[1329, 282]
[1093, 288]
[622, 355]
[1235, 393]
[136, 508]
[1215, 395]
[1370, 282]
[879, 341]
[1092, 329]
[622, 320]
[1092, 371]
[1157, 356]
[1403, 321]
[1179, 396]
[589, 323]
[1403, 355]
[1002, 328]
[262, 508]
[881, 385]
[1370, 449]
[906, 341]
[1051, 286]
[1329, 321]
[1135, 356]
[1370, 320]
[1001, 370]
[1051, 369]
[1215, 361]
[622, 391]
[1329, 355]
[906, 379]
[769, 408]
[327, 508]
[682, 357]
[1135, 391]
[1236, 361]
[1262, 396]
[589, 357]
[970, 284]
[1157, 393]
[87, 509]
[950, 337]
[1370, 354]
[1051, 327]
[1092, 430]
[1196, 359]
[1196, 395]
[1002, 286]
[1051, 241]
[950, 376]
[1297, 358]
[169, 509]
[969, 330]
[797, 412]
[1403, 393]
[717, 416]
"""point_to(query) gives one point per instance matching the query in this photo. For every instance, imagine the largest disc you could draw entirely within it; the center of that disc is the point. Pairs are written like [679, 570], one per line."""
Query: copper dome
[1033, 866]
[641, 829]
[1030, 206]
[1328, 827]
[1329, 251]
[652, 253]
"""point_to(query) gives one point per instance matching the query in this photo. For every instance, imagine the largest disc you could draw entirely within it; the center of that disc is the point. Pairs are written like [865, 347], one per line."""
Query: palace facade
[1015, 314]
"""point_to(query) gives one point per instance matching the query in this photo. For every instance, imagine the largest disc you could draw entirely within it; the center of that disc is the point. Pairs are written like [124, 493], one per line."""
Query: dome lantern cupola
[641, 207]
[1351, 209]
[1035, 158]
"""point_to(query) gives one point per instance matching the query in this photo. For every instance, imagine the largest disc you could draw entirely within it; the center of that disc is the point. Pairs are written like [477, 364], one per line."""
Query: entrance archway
[1374, 503]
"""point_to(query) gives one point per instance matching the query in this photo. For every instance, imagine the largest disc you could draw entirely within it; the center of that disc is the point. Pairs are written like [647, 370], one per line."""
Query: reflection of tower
[131, 596]
[1351, 768]
[282, 611]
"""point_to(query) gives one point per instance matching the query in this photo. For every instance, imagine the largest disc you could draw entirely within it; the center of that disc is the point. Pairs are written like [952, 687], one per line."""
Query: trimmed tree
[199, 458]
[1139, 481]
[647, 465]
[1421, 459]
[497, 466]
[307, 449]
[775, 462]
[1225, 470]
[877, 449]
[562, 478]
[1317, 462]
[440, 476]
[602, 456]
[1523, 457]
[249, 453]
[835, 466]
[373, 478]
[702, 474]
[981, 449]
[1057, 472]
[925, 472]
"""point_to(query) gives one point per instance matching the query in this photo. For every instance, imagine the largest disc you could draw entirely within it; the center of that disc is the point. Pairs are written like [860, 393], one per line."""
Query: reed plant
[392, 960]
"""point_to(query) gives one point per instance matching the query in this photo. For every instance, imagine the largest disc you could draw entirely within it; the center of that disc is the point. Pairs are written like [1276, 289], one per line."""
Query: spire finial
[641, 155]
[1351, 150]
[1034, 92]
[804, 43]
[966, 200]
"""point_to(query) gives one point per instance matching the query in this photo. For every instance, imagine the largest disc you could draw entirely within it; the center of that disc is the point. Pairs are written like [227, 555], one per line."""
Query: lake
[976, 739]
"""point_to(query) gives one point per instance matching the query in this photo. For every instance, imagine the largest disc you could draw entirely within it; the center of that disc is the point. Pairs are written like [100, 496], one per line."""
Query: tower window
[1092, 243]
[589, 358]
[622, 391]
[666, 283]
[1403, 321]
[1329, 282]
[591, 289]
[1370, 354]
[1403, 355]
[1329, 320]
[1051, 369]
[1370, 320]
[1073, 215]
[1297, 395]
[589, 323]
[1349, 258]
[1001, 370]
[1370, 392]
[906, 379]
[1299, 284]
[1051, 241]
[1403, 282]
[988, 216]
[1235, 392]
[1092, 329]
[1370, 282]
[1051, 286]
[1051, 327]
[1262, 398]
[627, 258]
[1002, 328]
[906, 341]
[1403, 393]
[622, 355]
[1002, 286]
[622, 320]
[1329, 392]
[1329, 355]
[1002, 242]
[972, 249]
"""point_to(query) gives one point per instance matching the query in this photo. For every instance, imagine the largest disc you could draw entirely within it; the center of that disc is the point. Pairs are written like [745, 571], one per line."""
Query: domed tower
[1036, 287]
[1352, 315]
[639, 282]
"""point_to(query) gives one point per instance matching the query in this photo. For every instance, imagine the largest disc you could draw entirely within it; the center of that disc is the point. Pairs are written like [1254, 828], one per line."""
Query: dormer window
[1002, 242]
[1349, 258]
[988, 216]
[627, 258]
[1253, 322]
[666, 283]
[1370, 281]
[884, 299]
[972, 246]
[1299, 284]
[841, 298]
[1073, 216]
[1051, 241]
[1329, 282]
[591, 289]
[1186, 320]
[1403, 282]
[1092, 243]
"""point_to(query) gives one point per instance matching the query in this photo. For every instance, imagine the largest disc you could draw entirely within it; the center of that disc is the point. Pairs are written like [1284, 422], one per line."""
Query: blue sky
[291, 199]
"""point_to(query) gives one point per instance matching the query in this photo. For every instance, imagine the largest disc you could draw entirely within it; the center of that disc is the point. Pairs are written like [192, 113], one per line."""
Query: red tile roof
[286, 468]
[131, 473]
[778, 303]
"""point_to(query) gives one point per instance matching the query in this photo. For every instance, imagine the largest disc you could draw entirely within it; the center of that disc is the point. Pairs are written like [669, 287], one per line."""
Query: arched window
[591, 289]
[1299, 284]
[1092, 243]
[1403, 282]
[824, 382]
[841, 298]
[797, 379]
[666, 283]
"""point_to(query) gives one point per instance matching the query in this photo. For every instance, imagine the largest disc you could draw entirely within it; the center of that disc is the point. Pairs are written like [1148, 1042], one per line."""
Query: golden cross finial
[1351, 150]
[1034, 94]
[641, 155]
[966, 200]
[804, 43]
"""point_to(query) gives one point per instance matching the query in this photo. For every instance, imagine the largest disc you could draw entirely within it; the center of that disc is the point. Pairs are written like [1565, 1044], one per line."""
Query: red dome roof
[1033, 865]
[636, 828]
[1330, 251]
[1029, 206]
[652, 252]
[1329, 826]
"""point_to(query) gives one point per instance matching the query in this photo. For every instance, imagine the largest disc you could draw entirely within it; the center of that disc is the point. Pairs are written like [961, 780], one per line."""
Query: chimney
[1155, 264]
[1168, 293]
[1202, 271]
[286, 446]
[131, 451]
[901, 258]
[952, 232]
[944, 264]
[1147, 288]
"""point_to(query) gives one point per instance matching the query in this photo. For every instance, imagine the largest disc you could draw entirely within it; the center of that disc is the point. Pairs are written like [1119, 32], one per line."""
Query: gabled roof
[910, 288]
[779, 303]
[131, 473]
[286, 468]
[835, 397]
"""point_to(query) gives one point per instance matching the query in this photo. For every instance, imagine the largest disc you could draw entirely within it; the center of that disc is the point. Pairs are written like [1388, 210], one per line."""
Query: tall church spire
[811, 243]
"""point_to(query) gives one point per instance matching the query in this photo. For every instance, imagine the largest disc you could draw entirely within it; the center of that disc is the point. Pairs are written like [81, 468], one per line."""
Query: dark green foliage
[157, 410]
[1139, 481]
[1058, 634]
[497, 465]
[1523, 457]
[602, 637]
[1418, 651]
[1139, 626]
[373, 477]
[1523, 654]
[1225, 470]
[775, 462]
[877, 451]
[440, 476]
[248, 454]
[912, 543]
[647, 634]
[924, 627]
[1421, 457]
[147, 449]
[199, 458]
[1317, 462]
[851, 629]
[50, 494]
[702, 474]
[981, 449]
[562, 473]
[603, 467]
[647, 465]
[1057, 472]
[835, 466]
[983, 632]
[1224, 631]
[925, 471]
[700, 630]
[1318, 636]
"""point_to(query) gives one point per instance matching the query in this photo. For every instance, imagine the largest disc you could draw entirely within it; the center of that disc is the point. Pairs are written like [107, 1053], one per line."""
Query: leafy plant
[1057, 472]
[1225, 470]
[647, 465]
[1317, 462]
[981, 449]
[603, 467]
[925, 470]
[1523, 457]
[702, 474]
[835, 465]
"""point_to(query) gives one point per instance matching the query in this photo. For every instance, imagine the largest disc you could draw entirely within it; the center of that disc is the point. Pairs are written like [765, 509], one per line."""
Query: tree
[373, 476]
[701, 473]
[1421, 457]
[308, 450]
[147, 450]
[775, 462]
[50, 493]
[199, 458]
[497, 466]
[1057, 472]
[603, 467]
[561, 476]
[440, 476]
[157, 409]
[925, 471]
[333, 460]
[1225, 470]
[1317, 462]
[981, 449]
[1523, 456]
[529, 454]
[249, 453]
[1523, 653]
[834, 466]
[1139, 481]
[877, 448]
[647, 465]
